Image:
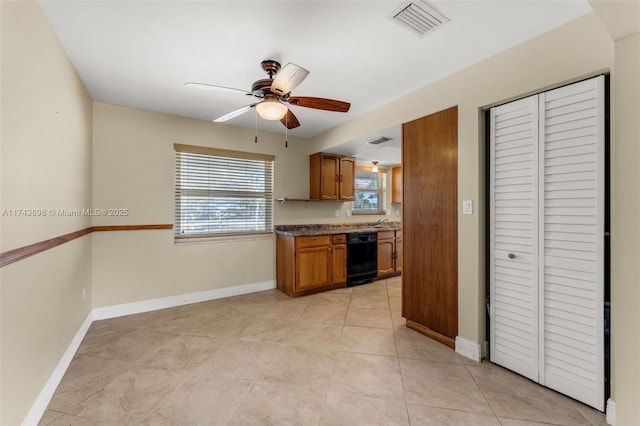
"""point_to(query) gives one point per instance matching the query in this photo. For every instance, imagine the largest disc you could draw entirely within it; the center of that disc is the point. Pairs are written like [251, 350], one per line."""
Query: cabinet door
[313, 267]
[396, 184]
[385, 256]
[329, 177]
[339, 264]
[347, 178]
[398, 254]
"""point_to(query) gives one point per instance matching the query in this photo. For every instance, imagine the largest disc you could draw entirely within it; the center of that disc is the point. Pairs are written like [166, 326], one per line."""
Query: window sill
[222, 239]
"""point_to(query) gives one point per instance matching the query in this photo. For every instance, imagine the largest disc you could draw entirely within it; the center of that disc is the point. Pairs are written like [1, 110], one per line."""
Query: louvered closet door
[547, 239]
[572, 240]
[514, 229]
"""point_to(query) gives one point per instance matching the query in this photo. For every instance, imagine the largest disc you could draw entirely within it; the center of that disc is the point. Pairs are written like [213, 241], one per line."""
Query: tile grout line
[395, 340]
[188, 376]
[482, 393]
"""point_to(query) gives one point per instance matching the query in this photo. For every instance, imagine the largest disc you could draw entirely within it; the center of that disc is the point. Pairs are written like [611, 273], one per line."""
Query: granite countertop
[329, 228]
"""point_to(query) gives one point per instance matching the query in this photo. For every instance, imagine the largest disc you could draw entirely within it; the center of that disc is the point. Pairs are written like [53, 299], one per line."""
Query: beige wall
[134, 169]
[50, 165]
[626, 232]
[622, 20]
[45, 164]
[578, 49]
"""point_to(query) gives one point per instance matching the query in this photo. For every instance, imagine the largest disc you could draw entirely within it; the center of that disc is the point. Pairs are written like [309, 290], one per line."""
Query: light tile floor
[343, 357]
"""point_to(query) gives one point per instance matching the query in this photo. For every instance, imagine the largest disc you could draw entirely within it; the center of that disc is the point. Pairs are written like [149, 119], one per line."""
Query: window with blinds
[371, 191]
[222, 193]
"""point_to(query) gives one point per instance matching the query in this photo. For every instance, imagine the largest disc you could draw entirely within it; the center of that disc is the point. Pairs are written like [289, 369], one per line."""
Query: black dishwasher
[362, 257]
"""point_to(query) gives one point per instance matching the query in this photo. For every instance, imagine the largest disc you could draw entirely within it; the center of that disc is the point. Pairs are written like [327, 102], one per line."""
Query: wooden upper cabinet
[347, 178]
[396, 184]
[331, 177]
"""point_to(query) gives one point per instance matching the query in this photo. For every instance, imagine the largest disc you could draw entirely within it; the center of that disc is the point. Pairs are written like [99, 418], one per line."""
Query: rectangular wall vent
[380, 140]
[419, 17]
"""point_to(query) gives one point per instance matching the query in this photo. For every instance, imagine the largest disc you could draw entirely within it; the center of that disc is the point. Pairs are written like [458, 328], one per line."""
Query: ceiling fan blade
[288, 78]
[236, 112]
[290, 120]
[320, 103]
[215, 87]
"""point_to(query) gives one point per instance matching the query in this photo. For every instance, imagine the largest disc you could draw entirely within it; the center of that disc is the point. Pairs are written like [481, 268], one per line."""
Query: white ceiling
[141, 53]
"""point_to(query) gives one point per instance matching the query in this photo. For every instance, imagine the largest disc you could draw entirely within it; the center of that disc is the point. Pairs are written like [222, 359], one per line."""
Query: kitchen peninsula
[320, 257]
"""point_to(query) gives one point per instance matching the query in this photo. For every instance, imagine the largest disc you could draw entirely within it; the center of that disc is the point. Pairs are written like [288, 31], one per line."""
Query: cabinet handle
[512, 256]
[337, 178]
[340, 178]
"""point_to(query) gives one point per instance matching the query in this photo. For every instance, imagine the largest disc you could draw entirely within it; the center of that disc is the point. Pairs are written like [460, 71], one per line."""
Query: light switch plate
[467, 207]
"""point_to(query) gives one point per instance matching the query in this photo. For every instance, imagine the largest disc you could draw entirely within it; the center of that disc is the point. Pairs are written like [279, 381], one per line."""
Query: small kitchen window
[371, 191]
[222, 193]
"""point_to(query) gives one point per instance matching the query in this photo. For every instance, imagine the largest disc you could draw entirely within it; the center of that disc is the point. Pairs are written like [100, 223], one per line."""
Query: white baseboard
[468, 349]
[44, 398]
[115, 311]
[611, 412]
[42, 402]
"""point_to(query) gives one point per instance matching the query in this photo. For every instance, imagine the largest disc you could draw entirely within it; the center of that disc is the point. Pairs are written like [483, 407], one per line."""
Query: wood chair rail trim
[12, 256]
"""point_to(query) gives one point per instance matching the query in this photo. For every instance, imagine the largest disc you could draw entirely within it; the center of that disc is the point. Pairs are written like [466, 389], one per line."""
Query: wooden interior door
[430, 225]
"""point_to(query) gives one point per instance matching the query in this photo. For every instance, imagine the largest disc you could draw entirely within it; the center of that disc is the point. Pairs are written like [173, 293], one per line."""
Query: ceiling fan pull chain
[286, 130]
[256, 137]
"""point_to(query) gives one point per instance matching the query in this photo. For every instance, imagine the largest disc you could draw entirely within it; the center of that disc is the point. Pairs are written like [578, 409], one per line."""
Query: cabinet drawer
[399, 234]
[386, 235]
[316, 240]
[340, 239]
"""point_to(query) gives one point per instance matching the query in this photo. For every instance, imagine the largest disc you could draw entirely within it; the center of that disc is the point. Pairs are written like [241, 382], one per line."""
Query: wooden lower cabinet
[310, 264]
[339, 258]
[399, 251]
[313, 268]
[389, 253]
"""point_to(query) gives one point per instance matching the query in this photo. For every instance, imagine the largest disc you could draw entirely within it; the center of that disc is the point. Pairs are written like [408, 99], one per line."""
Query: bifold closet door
[514, 236]
[572, 240]
[547, 239]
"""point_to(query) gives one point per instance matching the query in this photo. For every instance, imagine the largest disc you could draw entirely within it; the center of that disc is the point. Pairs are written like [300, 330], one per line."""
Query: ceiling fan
[275, 93]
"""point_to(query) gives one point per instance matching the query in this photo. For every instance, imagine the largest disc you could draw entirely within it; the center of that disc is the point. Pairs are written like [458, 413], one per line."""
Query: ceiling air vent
[378, 141]
[419, 17]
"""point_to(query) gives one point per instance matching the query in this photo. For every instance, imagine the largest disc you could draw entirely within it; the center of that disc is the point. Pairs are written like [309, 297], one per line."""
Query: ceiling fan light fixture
[271, 109]
[374, 168]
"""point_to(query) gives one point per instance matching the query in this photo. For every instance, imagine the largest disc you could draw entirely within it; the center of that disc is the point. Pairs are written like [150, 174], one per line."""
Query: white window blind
[222, 193]
[371, 191]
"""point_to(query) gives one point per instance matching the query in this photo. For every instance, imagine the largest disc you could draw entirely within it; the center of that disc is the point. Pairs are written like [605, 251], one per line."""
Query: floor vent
[380, 140]
[419, 17]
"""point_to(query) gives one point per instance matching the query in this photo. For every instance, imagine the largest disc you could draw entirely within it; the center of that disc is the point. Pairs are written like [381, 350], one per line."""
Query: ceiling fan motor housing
[262, 87]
